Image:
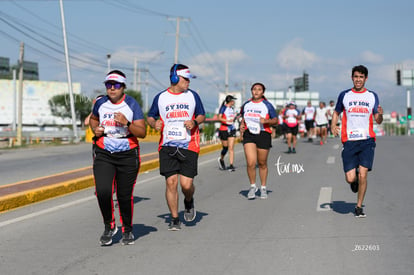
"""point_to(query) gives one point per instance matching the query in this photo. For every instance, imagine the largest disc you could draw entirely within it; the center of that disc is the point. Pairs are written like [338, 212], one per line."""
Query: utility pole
[72, 102]
[408, 106]
[135, 73]
[177, 35]
[226, 81]
[108, 59]
[177, 39]
[14, 101]
[20, 98]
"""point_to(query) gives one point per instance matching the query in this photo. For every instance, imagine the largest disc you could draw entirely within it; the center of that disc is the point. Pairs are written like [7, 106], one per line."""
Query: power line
[88, 44]
[198, 45]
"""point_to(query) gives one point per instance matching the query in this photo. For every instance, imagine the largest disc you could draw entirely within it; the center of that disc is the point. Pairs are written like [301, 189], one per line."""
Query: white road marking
[66, 205]
[330, 160]
[62, 206]
[336, 146]
[325, 199]
[35, 214]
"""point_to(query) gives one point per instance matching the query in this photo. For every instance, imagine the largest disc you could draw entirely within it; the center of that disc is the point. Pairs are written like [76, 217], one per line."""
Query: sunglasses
[116, 85]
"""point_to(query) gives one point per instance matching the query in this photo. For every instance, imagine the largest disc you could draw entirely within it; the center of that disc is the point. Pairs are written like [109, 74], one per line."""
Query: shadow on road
[138, 199]
[198, 218]
[245, 192]
[341, 207]
[139, 231]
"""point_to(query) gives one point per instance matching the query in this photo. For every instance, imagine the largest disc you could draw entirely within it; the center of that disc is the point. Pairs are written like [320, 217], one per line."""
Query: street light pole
[20, 98]
[408, 106]
[108, 58]
[72, 102]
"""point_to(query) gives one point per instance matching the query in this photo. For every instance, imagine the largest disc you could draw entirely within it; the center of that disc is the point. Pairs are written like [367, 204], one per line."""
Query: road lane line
[325, 199]
[62, 206]
[52, 209]
[330, 160]
[66, 205]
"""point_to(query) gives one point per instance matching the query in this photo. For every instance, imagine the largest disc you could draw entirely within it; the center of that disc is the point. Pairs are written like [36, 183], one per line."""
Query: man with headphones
[177, 112]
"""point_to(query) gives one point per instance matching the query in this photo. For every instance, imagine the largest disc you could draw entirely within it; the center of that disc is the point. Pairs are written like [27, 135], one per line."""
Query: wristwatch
[128, 124]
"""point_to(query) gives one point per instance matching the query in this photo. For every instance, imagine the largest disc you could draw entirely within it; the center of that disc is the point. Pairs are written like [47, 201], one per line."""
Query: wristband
[195, 123]
[128, 124]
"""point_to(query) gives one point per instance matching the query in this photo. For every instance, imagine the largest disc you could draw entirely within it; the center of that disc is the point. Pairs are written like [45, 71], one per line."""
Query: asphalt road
[306, 226]
[39, 161]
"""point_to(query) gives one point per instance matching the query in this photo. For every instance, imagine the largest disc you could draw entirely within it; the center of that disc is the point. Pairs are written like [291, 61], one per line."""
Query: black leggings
[116, 171]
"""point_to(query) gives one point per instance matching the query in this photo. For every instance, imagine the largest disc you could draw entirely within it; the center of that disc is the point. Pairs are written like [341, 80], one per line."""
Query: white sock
[253, 185]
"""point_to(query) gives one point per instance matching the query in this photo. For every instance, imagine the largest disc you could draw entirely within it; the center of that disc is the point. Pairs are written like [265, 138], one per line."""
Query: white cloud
[294, 57]
[372, 58]
[127, 55]
[208, 64]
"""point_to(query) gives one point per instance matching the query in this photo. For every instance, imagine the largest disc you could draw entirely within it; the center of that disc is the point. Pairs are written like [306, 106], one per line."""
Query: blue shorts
[359, 152]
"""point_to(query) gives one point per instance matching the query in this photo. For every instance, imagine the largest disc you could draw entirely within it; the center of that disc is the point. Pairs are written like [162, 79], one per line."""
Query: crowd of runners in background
[312, 123]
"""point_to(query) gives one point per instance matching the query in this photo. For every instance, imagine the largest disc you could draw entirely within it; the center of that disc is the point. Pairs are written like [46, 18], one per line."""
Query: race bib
[253, 126]
[291, 119]
[115, 132]
[357, 134]
[175, 133]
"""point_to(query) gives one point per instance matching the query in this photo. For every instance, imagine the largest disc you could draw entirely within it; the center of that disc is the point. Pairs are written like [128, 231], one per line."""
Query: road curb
[23, 198]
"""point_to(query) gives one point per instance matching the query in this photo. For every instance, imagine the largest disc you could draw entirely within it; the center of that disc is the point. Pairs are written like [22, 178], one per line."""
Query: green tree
[60, 106]
[136, 95]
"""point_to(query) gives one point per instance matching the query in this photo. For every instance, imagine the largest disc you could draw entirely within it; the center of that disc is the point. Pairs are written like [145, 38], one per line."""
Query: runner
[281, 126]
[258, 115]
[117, 120]
[177, 112]
[227, 132]
[360, 107]
[329, 111]
[321, 120]
[291, 119]
[309, 112]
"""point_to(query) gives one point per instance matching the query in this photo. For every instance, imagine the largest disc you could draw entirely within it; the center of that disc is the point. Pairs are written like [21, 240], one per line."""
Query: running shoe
[293, 150]
[222, 165]
[128, 238]
[263, 193]
[189, 212]
[289, 151]
[252, 192]
[359, 212]
[175, 224]
[355, 184]
[231, 168]
[106, 238]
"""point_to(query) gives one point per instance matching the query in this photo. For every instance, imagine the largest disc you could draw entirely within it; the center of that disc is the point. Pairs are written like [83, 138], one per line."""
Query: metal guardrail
[29, 137]
[36, 134]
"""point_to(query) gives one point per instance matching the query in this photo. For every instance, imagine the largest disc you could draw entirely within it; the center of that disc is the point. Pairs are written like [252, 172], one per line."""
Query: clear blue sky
[264, 41]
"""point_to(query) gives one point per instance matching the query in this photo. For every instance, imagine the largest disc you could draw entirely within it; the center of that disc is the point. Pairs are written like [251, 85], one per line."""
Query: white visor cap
[185, 73]
[115, 77]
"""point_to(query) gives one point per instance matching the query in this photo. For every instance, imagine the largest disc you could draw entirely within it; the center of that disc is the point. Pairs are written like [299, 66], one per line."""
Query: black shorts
[292, 130]
[309, 124]
[174, 160]
[263, 140]
[224, 135]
